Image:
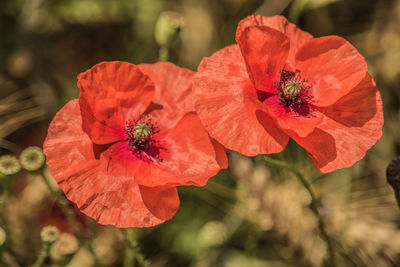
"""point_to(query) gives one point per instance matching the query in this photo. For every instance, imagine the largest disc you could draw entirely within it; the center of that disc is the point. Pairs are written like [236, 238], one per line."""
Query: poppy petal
[265, 51]
[173, 92]
[162, 201]
[220, 154]
[84, 178]
[187, 157]
[296, 36]
[301, 122]
[226, 102]
[333, 67]
[348, 129]
[112, 93]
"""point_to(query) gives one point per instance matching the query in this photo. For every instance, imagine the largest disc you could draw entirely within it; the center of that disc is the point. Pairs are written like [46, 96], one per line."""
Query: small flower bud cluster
[31, 159]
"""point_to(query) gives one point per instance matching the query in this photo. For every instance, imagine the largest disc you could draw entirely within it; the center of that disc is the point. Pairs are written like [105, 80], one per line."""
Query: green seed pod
[32, 158]
[142, 132]
[9, 165]
[9, 169]
[168, 25]
[292, 90]
[49, 234]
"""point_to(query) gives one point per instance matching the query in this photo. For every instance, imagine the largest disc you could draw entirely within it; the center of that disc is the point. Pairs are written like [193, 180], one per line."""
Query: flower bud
[49, 234]
[9, 165]
[168, 25]
[62, 250]
[9, 168]
[32, 158]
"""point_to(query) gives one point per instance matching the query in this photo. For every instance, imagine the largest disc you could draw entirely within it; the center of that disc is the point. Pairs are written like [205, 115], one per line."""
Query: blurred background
[248, 215]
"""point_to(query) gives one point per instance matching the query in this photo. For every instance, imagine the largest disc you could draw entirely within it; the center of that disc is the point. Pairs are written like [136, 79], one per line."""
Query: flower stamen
[140, 135]
[292, 89]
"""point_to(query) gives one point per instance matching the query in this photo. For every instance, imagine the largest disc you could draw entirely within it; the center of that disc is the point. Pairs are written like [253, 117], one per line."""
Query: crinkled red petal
[173, 92]
[351, 126]
[333, 67]
[302, 120]
[112, 93]
[296, 36]
[82, 174]
[186, 156]
[227, 104]
[265, 51]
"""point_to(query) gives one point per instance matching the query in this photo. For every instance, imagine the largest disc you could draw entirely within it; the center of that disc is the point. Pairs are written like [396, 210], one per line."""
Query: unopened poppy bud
[168, 25]
[3, 237]
[49, 234]
[32, 158]
[393, 173]
[62, 250]
[9, 165]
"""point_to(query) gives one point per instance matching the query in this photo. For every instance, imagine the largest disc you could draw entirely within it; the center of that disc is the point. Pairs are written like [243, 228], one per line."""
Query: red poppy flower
[280, 82]
[133, 136]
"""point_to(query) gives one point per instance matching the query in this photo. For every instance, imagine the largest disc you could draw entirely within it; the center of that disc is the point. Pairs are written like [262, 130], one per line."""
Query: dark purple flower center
[292, 90]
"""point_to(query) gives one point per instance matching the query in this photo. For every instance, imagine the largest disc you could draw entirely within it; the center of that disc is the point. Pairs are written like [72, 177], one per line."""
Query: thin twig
[314, 204]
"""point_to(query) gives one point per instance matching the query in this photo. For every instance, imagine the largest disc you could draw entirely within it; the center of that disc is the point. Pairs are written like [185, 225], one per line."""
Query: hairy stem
[314, 204]
[71, 217]
[4, 198]
[63, 204]
[132, 252]
[163, 54]
[296, 9]
[43, 255]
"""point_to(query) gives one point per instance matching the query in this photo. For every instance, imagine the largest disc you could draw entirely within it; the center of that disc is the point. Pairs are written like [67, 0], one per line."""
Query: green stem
[163, 54]
[296, 9]
[89, 244]
[4, 198]
[132, 252]
[43, 255]
[63, 204]
[314, 204]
